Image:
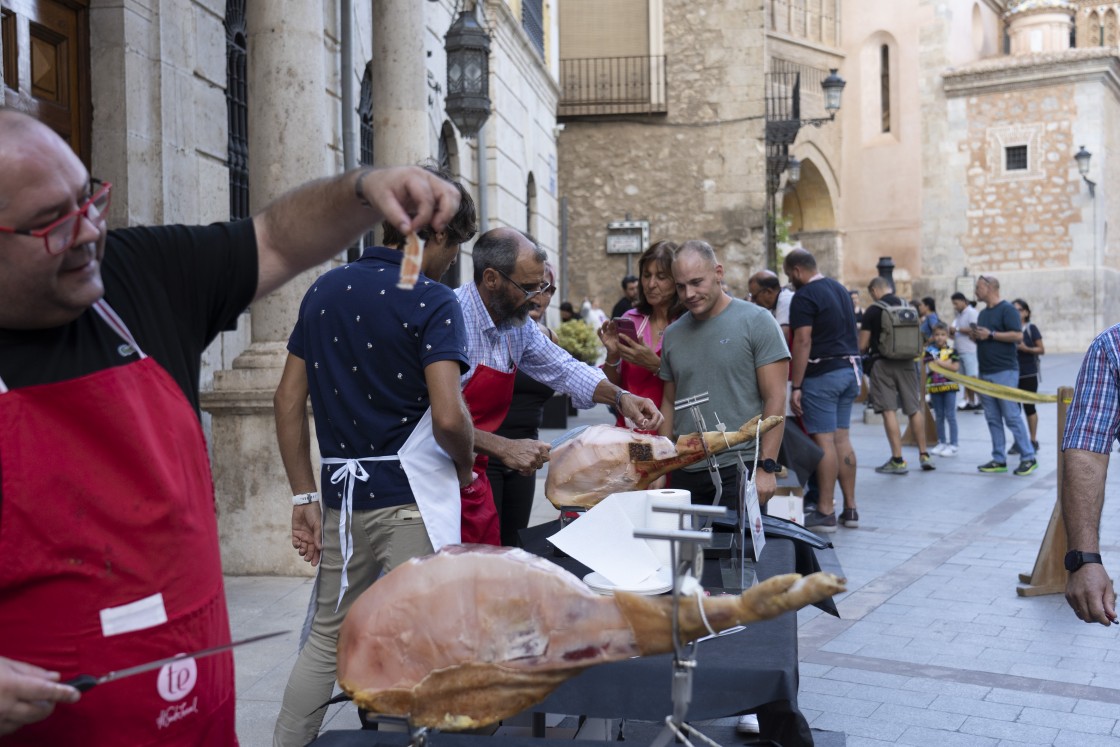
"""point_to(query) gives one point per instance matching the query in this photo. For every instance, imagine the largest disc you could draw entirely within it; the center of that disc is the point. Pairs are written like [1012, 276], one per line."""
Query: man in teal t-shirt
[736, 353]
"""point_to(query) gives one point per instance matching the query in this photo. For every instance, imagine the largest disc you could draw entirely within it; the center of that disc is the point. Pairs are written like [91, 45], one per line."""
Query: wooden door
[46, 65]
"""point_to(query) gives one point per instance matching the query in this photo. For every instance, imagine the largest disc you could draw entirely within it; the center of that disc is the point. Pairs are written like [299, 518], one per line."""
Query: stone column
[400, 83]
[288, 145]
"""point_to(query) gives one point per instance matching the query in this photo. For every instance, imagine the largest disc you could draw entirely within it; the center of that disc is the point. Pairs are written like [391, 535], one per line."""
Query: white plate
[655, 584]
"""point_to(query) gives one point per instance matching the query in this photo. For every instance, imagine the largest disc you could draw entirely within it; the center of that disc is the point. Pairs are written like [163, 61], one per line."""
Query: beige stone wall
[1020, 220]
[697, 172]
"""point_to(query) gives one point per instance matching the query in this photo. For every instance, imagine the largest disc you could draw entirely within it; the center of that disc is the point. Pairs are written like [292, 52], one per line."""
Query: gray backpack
[900, 336]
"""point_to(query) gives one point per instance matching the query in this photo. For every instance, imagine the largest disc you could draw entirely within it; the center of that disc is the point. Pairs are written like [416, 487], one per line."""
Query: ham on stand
[474, 634]
[603, 459]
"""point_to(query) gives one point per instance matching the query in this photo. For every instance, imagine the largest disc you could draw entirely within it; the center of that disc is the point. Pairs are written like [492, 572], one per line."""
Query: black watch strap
[1075, 559]
[770, 465]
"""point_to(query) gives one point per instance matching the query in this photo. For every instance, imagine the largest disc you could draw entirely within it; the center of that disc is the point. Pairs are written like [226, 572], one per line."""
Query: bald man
[113, 556]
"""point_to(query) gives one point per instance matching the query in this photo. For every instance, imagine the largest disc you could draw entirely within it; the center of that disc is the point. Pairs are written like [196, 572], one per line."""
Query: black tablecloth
[751, 671]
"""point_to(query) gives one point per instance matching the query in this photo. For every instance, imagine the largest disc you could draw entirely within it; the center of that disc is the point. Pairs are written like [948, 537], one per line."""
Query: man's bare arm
[315, 221]
[451, 421]
[293, 434]
[1089, 590]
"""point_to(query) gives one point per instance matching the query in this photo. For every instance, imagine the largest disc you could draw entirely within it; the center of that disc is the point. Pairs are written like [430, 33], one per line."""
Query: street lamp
[783, 122]
[468, 74]
[1082, 157]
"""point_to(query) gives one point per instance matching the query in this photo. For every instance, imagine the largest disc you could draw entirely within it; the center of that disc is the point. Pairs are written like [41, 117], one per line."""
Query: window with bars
[237, 114]
[1015, 158]
[532, 20]
[237, 109]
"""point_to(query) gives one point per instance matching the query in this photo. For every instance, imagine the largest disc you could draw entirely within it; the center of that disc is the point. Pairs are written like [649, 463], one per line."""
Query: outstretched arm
[314, 222]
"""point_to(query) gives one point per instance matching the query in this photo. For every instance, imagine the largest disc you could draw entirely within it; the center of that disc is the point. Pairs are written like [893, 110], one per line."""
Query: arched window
[237, 109]
[885, 87]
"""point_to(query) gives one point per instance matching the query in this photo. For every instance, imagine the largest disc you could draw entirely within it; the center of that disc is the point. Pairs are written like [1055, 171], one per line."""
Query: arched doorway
[808, 206]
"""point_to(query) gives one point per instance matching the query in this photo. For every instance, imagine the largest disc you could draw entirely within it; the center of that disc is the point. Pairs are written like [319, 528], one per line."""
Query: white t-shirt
[781, 309]
[961, 341]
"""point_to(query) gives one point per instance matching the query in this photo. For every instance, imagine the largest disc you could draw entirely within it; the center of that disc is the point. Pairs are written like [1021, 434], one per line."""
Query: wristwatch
[770, 465]
[1075, 559]
[304, 498]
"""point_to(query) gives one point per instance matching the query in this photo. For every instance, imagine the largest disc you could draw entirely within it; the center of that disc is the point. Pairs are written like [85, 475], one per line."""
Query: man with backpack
[891, 334]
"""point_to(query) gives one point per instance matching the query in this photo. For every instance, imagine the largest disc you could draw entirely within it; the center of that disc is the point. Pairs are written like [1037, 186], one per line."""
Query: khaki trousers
[383, 539]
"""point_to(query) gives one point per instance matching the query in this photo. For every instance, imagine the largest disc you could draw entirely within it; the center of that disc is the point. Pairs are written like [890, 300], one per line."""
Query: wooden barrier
[1049, 574]
[910, 439]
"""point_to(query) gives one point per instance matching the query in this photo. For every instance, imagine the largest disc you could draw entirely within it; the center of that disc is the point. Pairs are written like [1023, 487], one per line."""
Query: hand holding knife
[84, 682]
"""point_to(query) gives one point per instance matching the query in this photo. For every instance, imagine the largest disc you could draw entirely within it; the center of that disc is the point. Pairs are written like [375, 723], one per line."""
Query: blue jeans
[1000, 411]
[826, 400]
[944, 406]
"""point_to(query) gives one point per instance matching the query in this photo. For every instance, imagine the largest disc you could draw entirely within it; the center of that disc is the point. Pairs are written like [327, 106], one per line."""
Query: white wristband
[304, 498]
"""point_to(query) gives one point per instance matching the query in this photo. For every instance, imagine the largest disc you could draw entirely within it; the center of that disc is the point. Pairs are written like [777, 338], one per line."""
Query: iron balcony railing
[612, 85]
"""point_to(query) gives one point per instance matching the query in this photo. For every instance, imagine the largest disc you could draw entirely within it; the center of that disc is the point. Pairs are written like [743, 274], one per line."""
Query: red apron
[110, 548]
[488, 395]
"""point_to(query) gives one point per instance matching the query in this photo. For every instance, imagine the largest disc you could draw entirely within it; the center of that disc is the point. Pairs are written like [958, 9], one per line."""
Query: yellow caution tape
[993, 390]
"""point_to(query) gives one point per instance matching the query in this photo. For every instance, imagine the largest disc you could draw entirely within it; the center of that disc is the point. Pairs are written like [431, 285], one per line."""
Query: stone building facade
[144, 101]
[914, 167]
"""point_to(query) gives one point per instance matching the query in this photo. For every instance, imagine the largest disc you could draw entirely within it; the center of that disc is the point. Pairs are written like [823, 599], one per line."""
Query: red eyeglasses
[61, 234]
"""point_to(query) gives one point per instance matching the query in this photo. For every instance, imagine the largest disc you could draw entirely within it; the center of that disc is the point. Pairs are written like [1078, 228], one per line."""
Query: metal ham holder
[734, 570]
[686, 558]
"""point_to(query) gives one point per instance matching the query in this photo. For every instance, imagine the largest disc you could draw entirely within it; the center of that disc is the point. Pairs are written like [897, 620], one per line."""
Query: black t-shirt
[873, 320]
[825, 305]
[175, 288]
[1028, 362]
[994, 355]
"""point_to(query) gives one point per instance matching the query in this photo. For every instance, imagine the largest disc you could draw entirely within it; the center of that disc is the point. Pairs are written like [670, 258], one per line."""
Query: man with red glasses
[106, 500]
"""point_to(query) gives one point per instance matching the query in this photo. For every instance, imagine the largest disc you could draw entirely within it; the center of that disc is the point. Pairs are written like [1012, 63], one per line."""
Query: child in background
[942, 391]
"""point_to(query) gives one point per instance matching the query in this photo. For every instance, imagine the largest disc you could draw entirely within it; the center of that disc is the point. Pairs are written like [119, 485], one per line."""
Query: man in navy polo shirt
[381, 365]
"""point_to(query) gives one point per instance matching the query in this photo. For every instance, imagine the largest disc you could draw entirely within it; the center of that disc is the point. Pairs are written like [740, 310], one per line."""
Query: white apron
[434, 484]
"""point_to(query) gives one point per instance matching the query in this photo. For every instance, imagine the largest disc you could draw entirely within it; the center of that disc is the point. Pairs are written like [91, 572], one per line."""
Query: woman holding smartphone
[633, 341]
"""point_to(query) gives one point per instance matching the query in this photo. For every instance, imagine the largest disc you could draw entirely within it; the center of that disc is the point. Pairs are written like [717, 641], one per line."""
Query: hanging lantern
[468, 74]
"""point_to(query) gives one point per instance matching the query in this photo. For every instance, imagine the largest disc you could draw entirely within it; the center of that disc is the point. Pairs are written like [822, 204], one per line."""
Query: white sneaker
[949, 451]
[748, 724]
[962, 405]
[938, 449]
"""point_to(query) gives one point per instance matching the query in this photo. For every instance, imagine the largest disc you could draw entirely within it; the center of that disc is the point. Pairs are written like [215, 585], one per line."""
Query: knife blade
[85, 682]
[569, 435]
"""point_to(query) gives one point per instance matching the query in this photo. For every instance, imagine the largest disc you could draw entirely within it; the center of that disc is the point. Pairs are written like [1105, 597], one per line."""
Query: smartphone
[972, 326]
[626, 327]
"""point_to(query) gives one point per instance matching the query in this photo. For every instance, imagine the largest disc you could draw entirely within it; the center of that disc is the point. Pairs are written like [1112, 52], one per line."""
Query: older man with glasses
[112, 554]
[509, 277]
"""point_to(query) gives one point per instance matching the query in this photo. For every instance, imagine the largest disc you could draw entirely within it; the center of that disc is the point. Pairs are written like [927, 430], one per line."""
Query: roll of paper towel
[661, 520]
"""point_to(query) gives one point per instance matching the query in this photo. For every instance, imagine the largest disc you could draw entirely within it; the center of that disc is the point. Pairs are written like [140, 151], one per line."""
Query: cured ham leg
[604, 459]
[474, 634]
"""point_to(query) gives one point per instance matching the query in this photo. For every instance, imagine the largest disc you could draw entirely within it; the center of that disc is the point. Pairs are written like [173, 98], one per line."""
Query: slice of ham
[604, 459]
[474, 634]
[411, 262]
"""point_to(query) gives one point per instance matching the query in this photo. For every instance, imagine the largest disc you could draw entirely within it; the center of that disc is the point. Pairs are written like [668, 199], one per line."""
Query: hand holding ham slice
[474, 634]
[604, 459]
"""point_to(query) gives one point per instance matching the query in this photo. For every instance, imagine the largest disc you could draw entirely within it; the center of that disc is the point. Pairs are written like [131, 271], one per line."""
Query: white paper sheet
[603, 540]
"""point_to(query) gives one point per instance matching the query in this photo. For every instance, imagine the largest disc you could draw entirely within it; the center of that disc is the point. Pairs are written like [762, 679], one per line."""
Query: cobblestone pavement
[934, 646]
